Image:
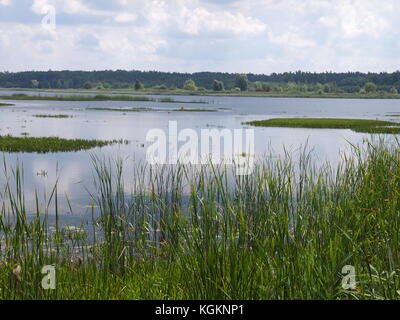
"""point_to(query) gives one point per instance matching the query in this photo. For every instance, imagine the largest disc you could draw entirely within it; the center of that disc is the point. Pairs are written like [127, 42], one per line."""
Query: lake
[74, 169]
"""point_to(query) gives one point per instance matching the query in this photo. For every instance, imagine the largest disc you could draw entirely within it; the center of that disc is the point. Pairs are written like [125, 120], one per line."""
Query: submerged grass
[284, 232]
[50, 144]
[358, 125]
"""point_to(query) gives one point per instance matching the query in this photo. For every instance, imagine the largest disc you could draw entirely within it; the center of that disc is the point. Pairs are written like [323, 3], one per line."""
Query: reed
[284, 232]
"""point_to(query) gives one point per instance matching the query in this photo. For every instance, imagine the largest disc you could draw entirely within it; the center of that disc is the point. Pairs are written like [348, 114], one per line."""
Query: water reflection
[74, 170]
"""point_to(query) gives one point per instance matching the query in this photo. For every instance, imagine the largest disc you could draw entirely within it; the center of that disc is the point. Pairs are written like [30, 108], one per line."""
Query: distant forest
[348, 82]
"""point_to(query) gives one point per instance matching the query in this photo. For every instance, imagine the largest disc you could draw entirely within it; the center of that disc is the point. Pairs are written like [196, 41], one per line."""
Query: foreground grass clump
[52, 116]
[49, 144]
[284, 232]
[99, 97]
[358, 125]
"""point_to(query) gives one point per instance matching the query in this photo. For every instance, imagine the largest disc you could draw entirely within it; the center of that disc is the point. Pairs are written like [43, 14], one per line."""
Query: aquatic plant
[358, 125]
[284, 232]
[50, 144]
[52, 116]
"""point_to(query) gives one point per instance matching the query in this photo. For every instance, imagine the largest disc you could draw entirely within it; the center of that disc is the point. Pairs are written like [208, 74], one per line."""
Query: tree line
[349, 82]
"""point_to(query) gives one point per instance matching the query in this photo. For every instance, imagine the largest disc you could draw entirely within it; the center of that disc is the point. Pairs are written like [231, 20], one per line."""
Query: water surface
[74, 169]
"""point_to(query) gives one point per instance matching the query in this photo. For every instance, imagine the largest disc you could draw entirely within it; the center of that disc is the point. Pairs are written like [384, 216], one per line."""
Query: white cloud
[291, 39]
[355, 18]
[5, 2]
[200, 20]
[180, 35]
[125, 17]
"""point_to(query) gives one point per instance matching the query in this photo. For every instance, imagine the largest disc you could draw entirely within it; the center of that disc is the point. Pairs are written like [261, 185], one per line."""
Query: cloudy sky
[259, 36]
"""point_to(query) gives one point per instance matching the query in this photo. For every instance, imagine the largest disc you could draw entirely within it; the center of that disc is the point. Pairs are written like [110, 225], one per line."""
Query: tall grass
[284, 232]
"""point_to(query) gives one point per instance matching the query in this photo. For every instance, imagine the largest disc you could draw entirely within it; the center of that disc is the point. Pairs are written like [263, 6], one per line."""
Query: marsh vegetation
[50, 144]
[284, 232]
[60, 116]
[357, 125]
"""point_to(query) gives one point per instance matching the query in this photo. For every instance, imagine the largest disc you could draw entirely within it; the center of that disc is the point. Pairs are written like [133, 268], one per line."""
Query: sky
[252, 36]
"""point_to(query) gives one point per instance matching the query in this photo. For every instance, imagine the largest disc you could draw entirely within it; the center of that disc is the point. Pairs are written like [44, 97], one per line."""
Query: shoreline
[248, 94]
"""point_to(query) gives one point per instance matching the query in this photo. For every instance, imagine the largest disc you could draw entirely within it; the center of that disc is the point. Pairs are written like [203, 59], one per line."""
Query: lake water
[75, 168]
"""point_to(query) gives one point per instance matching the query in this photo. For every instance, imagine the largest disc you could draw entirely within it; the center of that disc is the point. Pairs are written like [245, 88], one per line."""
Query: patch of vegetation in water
[6, 104]
[183, 109]
[357, 125]
[136, 109]
[51, 144]
[392, 115]
[171, 100]
[99, 97]
[52, 116]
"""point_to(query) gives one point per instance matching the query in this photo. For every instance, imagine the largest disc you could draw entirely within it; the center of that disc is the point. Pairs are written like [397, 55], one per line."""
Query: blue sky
[259, 36]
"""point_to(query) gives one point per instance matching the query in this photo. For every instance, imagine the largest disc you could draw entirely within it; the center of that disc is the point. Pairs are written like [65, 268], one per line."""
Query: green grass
[6, 104]
[358, 125]
[99, 97]
[135, 109]
[49, 144]
[284, 232]
[52, 116]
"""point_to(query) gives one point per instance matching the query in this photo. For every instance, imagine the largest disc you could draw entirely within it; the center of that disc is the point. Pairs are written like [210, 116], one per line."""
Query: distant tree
[99, 86]
[258, 86]
[87, 85]
[160, 87]
[393, 90]
[266, 87]
[319, 87]
[59, 84]
[218, 85]
[242, 82]
[138, 85]
[370, 87]
[35, 84]
[304, 88]
[190, 85]
[327, 88]
[292, 87]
